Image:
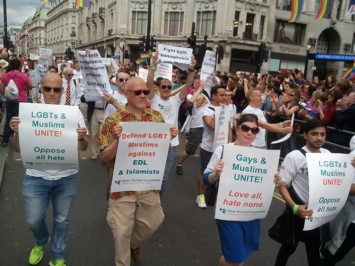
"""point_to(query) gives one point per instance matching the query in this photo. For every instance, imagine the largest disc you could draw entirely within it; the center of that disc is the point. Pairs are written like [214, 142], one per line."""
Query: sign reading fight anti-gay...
[246, 184]
[48, 137]
[330, 177]
[141, 156]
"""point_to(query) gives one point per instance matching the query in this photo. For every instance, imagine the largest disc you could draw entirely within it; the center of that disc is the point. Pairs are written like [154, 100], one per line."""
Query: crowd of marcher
[259, 106]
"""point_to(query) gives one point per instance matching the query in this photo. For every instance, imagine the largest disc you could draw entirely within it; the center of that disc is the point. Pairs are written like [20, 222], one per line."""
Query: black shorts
[195, 138]
[205, 159]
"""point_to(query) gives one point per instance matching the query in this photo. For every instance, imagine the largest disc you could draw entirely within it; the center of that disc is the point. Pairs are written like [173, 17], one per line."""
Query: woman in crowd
[330, 82]
[231, 83]
[239, 100]
[327, 114]
[238, 238]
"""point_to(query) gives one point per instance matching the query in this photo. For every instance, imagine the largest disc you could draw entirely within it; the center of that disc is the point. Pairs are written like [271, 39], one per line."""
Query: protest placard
[106, 61]
[246, 184]
[114, 65]
[94, 75]
[139, 157]
[33, 56]
[44, 56]
[221, 128]
[329, 184]
[48, 137]
[164, 71]
[143, 74]
[208, 66]
[33, 78]
[178, 56]
[41, 71]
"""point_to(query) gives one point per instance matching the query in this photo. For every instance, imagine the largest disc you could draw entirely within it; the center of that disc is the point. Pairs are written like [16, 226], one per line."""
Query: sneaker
[94, 156]
[4, 145]
[57, 263]
[201, 201]
[179, 169]
[136, 254]
[36, 254]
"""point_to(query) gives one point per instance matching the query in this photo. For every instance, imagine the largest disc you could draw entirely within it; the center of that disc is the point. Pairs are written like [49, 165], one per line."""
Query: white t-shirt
[120, 98]
[77, 74]
[294, 169]
[260, 137]
[216, 156]
[232, 113]
[57, 174]
[201, 103]
[208, 134]
[169, 110]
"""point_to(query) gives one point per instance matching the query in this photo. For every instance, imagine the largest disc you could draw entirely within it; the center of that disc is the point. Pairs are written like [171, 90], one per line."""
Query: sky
[18, 11]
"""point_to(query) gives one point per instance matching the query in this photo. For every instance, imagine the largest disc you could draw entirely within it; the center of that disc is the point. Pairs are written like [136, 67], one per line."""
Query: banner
[208, 66]
[164, 71]
[33, 78]
[141, 156]
[178, 56]
[33, 56]
[143, 74]
[48, 137]
[221, 128]
[94, 75]
[41, 71]
[106, 61]
[331, 175]
[44, 56]
[246, 185]
[114, 66]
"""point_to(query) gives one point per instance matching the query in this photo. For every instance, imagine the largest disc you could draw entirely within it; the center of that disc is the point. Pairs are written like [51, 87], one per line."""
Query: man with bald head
[72, 93]
[43, 186]
[132, 215]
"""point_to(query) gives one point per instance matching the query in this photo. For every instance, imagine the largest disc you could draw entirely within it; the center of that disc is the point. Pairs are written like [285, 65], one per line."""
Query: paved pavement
[188, 236]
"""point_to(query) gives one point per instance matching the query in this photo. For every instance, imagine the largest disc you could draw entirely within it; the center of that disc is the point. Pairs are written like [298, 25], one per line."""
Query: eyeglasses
[48, 89]
[245, 128]
[133, 75]
[121, 80]
[166, 87]
[139, 92]
[69, 75]
[291, 95]
[174, 76]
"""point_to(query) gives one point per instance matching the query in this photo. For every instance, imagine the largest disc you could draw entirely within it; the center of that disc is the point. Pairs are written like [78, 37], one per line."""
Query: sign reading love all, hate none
[141, 155]
[48, 137]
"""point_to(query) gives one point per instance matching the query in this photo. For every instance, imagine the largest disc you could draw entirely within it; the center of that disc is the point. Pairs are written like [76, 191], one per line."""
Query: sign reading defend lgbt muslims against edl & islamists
[48, 137]
[246, 185]
[141, 156]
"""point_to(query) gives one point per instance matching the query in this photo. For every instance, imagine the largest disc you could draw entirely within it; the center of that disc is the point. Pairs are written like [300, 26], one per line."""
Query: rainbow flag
[49, 1]
[348, 72]
[146, 55]
[82, 3]
[296, 10]
[140, 61]
[325, 7]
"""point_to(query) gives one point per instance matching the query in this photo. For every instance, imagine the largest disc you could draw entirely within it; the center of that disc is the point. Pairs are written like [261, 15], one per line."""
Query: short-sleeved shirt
[260, 137]
[170, 111]
[21, 80]
[106, 138]
[232, 113]
[295, 169]
[208, 134]
[202, 102]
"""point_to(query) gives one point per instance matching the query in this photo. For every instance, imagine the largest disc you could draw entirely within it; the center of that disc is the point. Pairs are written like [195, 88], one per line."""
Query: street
[187, 237]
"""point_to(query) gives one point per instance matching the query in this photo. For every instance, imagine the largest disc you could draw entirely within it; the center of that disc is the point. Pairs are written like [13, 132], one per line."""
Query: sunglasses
[139, 92]
[70, 75]
[245, 128]
[291, 95]
[133, 75]
[166, 87]
[121, 80]
[48, 89]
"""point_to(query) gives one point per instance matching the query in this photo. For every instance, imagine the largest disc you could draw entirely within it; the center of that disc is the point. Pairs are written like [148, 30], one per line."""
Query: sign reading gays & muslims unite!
[329, 186]
[221, 128]
[246, 184]
[48, 137]
[139, 157]
[94, 75]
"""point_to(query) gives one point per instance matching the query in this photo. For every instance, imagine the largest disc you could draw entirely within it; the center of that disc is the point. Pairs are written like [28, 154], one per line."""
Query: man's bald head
[52, 88]
[136, 101]
[51, 77]
[133, 82]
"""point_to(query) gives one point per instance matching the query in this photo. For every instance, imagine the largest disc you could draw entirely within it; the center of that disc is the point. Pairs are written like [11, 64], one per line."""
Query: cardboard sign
[143, 74]
[140, 153]
[114, 65]
[33, 56]
[94, 75]
[48, 137]
[41, 71]
[164, 71]
[246, 184]
[33, 78]
[178, 56]
[221, 128]
[208, 66]
[329, 186]
[44, 56]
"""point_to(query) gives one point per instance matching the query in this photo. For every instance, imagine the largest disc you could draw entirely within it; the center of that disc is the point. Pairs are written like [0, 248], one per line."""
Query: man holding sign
[142, 211]
[56, 185]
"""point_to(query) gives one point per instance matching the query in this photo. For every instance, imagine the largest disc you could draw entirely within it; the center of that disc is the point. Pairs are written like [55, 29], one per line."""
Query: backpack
[11, 91]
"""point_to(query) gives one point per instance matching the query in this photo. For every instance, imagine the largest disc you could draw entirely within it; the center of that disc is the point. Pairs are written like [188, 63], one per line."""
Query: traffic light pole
[149, 24]
[5, 26]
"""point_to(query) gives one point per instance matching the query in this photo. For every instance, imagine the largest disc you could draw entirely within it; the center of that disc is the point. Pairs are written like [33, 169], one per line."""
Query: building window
[353, 45]
[284, 4]
[261, 27]
[73, 18]
[289, 33]
[206, 21]
[339, 9]
[248, 34]
[236, 23]
[139, 22]
[73, 30]
[173, 23]
[73, 44]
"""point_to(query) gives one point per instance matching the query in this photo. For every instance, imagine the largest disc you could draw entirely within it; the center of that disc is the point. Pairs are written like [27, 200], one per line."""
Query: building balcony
[110, 32]
[102, 12]
[73, 34]
[250, 36]
[88, 21]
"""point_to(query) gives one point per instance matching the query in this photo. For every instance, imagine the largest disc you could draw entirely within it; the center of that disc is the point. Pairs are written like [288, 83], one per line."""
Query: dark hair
[248, 118]
[254, 80]
[15, 64]
[311, 89]
[337, 96]
[312, 124]
[130, 70]
[277, 90]
[214, 89]
[182, 78]
[344, 86]
[239, 99]
[280, 77]
[223, 78]
[53, 67]
[124, 70]
[158, 81]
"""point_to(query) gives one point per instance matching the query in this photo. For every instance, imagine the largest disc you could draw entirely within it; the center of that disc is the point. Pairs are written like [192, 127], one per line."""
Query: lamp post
[306, 65]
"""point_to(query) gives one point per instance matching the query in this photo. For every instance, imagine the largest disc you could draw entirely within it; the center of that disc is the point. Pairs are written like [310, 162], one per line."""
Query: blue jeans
[168, 166]
[37, 193]
[290, 144]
